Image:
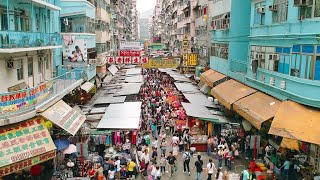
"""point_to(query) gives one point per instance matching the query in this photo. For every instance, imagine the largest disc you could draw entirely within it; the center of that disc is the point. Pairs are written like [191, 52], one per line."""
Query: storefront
[201, 123]
[24, 145]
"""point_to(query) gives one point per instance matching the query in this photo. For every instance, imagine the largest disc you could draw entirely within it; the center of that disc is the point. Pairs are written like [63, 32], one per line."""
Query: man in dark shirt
[198, 164]
[154, 154]
[171, 161]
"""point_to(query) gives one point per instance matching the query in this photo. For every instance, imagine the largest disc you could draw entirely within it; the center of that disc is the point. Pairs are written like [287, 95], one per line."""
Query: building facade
[272, 49]
[31, 59]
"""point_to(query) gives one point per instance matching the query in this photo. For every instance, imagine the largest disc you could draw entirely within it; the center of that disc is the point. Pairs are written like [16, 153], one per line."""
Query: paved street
[237, 166]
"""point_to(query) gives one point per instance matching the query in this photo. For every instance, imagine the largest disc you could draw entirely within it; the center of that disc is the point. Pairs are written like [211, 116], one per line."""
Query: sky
[144, 5]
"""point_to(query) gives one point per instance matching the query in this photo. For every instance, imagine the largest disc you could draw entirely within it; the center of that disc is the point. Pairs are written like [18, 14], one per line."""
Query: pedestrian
[159, 126]
[163, 163]
[186, 161]
[171, 125]
[111, 173]
[209, 145]
[245, 174]
[155, 143]
[220, 155]
[198, 164]
[106, 167]
[171, 160]
[285, 167]
[163, 146]
[99, 171]
[163, 135]
[219, 175]
[181, 144]
[143, 170]
[91, 172]
[146, 158]
[154, 154]
[175, 150]
[131, 166]
[118, 168]
[158, 173]
[211, 169]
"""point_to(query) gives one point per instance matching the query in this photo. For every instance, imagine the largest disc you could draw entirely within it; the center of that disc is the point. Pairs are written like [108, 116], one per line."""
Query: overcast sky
[144, 5]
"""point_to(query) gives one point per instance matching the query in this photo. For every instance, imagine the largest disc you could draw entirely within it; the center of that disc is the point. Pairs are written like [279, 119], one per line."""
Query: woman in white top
[175, 150]
[219, 174]
[111, 173]
[211, 169]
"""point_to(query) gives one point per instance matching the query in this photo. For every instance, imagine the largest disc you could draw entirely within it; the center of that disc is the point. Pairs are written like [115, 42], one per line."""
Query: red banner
[135, 60]
[111, 60]
[119, 60]
[127, 60]
[134, 53]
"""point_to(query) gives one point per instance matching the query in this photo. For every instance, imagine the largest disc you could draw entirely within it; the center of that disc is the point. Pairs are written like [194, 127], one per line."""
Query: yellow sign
[193, 59]
[27, 163]
[162, 63]
[190, 59]
[24, 140]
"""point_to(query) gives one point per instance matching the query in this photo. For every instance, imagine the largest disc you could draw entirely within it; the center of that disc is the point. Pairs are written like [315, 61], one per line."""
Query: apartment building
[31, 59]
[270, 55]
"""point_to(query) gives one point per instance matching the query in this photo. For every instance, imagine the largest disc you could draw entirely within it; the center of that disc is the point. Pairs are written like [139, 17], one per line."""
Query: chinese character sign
[119, 60]
[135, 60]
[24, 140]
[25, 99]
[27, 163]
[127, 60]
[110, 60]
[134, 53]
[64, 116]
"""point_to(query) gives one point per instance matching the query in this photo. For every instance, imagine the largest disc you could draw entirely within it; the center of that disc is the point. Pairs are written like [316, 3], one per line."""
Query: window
[301, 61]
[220, 50]
[259, 17]
[271, 58]
[281, 14]
[317, 68]
[19, 69]
[30, 66]
[221, 21]
[3, 20]
[311, 10]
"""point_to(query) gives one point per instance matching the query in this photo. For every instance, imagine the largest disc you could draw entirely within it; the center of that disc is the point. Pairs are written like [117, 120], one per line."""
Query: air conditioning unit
[276, 57]
[260, 10]
[225, 51]
[273, 7]
[11, 64]
[93, 61]
[301, 3]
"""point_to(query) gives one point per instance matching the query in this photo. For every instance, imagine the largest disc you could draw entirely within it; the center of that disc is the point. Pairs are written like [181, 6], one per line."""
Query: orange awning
[231, 91]
[296, 121]
[211, 76]
[257, 108]
[288, 143]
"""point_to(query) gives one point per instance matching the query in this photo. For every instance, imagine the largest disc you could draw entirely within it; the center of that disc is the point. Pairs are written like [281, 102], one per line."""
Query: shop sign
[190, 59]
[27, 163]
[134, 53]
[64, 116]
[162, 63]
[74, 49]
[24, 140]
[20, 100]
[130, 45]
[127, 60]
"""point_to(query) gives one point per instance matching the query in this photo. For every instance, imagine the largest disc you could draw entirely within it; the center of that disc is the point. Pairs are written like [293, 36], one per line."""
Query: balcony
[24, 104]
[50, 4]
[14, 41]
[82, 70]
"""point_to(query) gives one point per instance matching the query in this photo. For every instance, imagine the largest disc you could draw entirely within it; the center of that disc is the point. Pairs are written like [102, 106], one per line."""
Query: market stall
[200, 121]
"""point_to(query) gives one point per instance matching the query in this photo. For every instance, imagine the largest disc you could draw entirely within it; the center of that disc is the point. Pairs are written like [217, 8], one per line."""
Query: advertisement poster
[130, 45]
[24, 140]
[24, 99]
[75, 50]
[64, 116]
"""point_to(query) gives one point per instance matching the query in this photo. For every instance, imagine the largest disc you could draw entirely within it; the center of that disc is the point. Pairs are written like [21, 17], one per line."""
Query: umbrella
[69, 150]
[35, 170]
[61, 143]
